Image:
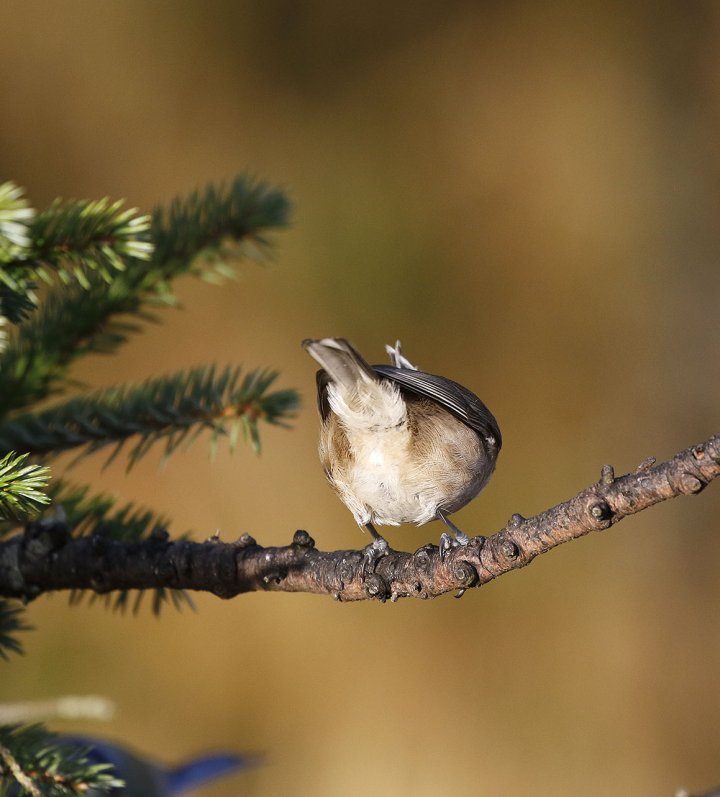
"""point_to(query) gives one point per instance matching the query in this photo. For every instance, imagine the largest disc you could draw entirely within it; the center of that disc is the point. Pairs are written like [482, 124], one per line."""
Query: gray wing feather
[456, 399]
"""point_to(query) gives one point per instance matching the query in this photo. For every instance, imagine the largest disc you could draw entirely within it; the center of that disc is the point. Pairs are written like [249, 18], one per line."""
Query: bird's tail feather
[342, 362]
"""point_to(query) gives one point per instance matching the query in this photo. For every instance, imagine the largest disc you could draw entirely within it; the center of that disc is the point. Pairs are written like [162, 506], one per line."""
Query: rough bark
[48, 558]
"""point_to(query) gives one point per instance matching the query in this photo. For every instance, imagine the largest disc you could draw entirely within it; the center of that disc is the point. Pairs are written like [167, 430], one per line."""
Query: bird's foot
[372, 554]
[397, 359]
[448, 542]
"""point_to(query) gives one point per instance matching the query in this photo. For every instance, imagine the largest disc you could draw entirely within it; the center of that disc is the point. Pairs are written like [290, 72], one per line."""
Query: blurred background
[527, 194]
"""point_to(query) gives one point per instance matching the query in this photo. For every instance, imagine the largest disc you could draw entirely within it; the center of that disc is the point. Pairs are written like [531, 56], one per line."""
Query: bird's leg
[460, 537]
[398, 359]
[446, 540]
[375, 551]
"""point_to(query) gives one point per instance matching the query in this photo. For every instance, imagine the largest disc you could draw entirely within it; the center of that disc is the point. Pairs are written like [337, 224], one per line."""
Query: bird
[399, 445]
[144, 777]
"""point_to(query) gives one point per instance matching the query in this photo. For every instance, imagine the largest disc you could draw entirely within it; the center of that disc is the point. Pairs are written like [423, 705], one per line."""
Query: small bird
[144, 777]
[399, 445]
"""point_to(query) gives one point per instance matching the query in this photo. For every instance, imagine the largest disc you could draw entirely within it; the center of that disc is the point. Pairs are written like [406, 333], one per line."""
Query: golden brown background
[527, 194]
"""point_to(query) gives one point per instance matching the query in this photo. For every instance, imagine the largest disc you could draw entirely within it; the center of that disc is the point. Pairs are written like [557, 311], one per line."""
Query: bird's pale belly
[381, 489]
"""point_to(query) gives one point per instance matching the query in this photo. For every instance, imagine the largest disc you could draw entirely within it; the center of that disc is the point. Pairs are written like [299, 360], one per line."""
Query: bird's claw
[372, 554]
[448, 542]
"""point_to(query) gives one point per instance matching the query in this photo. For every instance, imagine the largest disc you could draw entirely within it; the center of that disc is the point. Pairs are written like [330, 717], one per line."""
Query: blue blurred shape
[146, 778]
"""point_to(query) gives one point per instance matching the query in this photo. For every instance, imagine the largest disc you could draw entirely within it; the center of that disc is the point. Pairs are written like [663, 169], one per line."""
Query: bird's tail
[189, 776]
[342, 362]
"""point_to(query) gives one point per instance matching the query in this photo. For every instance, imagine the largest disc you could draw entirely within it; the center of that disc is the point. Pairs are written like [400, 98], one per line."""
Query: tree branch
[47, 558]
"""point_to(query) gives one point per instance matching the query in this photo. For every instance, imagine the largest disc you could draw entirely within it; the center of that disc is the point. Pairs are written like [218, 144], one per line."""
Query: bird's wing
[456, 399]
[322, 379]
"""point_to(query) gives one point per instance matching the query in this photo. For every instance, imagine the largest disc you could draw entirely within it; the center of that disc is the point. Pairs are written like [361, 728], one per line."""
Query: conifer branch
[11, 623]
[44, 765]
[99, 515]
[16, 304]
[71, 323]
[21, 487]
[47, 557]
[70, 239]
[197, 236]
[208, 223]
[77, 238]
[173, 409]
[87, 514]
[103, 276]
[17, 297]
[15, 216]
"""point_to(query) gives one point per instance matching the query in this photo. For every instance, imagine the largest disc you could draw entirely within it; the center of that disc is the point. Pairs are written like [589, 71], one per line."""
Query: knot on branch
[301, 539]
[422, 560]
[601, 513]
[45, 536]
[465, 574]
[607, 474]
[689, 484]
[376, 587]
[509, 550]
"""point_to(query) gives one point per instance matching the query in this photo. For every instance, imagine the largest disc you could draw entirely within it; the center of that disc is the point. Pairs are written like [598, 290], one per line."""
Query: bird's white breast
[388, 478]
